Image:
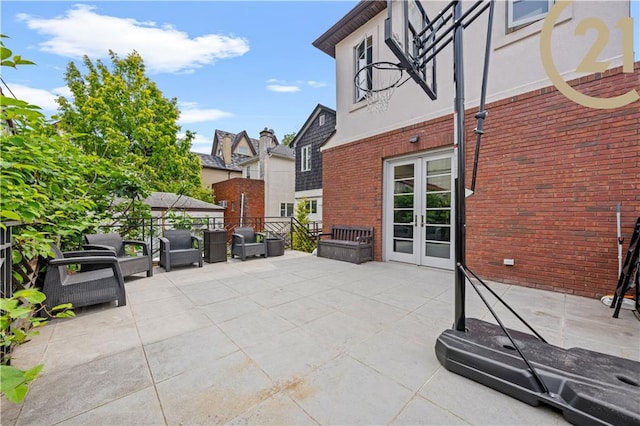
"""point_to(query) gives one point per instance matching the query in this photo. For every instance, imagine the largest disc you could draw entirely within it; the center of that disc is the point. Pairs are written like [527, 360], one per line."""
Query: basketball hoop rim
[382, 65]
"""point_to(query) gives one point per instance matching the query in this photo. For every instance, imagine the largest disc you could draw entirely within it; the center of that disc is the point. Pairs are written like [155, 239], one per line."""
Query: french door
[419, 210]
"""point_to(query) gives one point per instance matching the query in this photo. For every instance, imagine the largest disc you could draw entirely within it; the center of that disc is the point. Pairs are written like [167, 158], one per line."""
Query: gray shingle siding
[315, 136]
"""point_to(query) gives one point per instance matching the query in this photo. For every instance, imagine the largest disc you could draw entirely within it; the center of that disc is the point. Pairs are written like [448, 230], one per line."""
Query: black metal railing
[276, 227]
[6, 244]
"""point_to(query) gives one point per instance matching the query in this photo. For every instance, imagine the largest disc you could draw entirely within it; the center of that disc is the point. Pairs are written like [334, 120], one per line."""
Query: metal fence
[149, 230]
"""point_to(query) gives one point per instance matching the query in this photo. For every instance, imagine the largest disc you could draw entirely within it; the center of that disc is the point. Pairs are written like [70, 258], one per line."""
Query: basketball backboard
[410, 35]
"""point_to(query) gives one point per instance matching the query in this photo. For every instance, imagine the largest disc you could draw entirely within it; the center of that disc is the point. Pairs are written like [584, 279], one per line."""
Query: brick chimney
[266, 142]
[226, 149]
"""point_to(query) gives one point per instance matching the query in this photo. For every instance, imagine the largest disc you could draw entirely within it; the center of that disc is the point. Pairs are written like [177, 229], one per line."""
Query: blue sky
[232, 65]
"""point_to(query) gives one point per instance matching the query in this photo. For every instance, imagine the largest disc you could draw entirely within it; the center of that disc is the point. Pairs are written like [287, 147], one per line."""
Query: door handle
[415, 220]
[422, 221]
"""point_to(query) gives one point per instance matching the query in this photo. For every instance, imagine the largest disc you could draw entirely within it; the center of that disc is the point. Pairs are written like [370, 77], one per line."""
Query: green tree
[120, 114]
[301, 237]
[288, 138]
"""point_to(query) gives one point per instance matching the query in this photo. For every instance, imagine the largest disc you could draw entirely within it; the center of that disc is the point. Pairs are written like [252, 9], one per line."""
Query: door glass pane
[403, 208]
[439, 199]
[439, 216]
[439, 183]
[403, 216]
[438, 250]
[437, 230]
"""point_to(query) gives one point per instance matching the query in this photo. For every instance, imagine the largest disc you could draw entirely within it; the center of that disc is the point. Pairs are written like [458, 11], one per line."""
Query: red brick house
[551, 172]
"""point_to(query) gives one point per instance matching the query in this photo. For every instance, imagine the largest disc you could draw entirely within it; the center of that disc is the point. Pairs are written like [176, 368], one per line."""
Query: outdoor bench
[348, 243]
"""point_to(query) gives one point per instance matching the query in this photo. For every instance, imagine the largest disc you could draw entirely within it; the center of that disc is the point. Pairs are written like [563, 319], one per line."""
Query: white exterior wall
[515, 65]
[279, 184]
[312, 194]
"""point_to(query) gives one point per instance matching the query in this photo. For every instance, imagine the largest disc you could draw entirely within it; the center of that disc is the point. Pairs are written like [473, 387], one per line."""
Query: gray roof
[165, 200]
[214, 162]
[283, 151]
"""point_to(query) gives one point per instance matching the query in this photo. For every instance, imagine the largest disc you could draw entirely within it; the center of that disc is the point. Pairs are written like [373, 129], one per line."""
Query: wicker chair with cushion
[179, 247]
[129, 264]
[245, 242]
[103, 283]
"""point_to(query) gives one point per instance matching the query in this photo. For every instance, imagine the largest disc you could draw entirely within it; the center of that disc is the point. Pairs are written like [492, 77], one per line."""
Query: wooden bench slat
[348, 243]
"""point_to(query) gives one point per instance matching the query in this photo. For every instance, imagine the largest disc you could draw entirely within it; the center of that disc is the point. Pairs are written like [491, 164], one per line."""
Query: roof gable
[307, 124]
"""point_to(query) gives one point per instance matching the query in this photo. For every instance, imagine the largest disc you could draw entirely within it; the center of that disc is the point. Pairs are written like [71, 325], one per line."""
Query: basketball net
[383, 78]
[378, 101]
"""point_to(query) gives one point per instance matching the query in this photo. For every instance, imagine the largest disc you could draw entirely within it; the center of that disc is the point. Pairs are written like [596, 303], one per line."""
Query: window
[312, 206]
[363, 56]
[305, 161]
[243, 150]
[522, 12]
[286, 209]
[321, 120]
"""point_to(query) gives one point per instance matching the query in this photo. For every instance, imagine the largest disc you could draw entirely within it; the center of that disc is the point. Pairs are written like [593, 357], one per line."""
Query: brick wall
[231, 191]
[550, 175]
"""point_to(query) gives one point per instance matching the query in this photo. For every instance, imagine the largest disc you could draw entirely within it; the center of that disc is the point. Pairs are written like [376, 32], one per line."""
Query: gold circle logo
[590, 62]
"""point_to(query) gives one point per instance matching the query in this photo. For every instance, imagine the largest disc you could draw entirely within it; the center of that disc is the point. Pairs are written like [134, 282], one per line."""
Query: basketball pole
[459, 148]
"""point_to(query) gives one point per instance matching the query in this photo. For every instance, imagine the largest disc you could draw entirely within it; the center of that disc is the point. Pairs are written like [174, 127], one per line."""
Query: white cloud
[316, 84]
[281, 88]
[190, 113]
[45, 99]
[164, 49]
[200, 144]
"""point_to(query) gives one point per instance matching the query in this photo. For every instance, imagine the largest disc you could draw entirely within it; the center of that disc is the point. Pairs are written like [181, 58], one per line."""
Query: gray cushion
[112, 240]
[178, 239]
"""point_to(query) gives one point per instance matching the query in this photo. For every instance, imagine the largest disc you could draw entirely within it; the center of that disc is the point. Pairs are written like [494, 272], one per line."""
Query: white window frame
[362, 56]
[312, 206]
[286, 209]
[513, 22]
[321, 120]
[305, 160]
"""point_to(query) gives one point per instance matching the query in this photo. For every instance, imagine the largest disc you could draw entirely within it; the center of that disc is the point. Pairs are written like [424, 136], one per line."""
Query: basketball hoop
[377, 87]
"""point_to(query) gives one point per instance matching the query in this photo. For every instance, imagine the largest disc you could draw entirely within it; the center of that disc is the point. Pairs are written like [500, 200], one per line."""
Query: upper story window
[312, 206]
[243, 150]
[363, 56]
[321, 120]
[305, 161]
[521, 12]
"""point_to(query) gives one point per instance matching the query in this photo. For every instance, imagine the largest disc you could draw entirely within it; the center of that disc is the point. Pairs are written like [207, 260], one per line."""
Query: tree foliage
[120, 114]
[301, 240]
[288, 138]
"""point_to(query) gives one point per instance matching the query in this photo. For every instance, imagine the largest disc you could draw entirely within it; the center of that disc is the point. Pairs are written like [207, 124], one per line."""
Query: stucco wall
[211, 176]
[280, 187]
[515, 65]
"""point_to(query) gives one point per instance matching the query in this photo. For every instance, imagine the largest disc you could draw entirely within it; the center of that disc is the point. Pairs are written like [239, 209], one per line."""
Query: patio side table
[275, 247]
[215, 245]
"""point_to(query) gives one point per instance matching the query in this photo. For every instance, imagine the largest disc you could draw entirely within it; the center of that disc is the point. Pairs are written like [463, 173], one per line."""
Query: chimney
[226, 149]
[266, 141]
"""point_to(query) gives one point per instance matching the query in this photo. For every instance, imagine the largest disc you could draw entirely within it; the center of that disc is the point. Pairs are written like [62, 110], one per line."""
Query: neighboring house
[162, 202]
[275, 165]
[318, 128]
[550, 171]
[227, 151]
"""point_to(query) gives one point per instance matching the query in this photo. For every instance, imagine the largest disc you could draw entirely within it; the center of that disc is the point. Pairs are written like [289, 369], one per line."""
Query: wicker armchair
[128, 264]
[179, 247]
[102, 283]
[244, 242]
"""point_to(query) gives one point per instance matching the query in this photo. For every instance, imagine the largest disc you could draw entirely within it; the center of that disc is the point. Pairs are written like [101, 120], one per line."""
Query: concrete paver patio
[289, 340]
